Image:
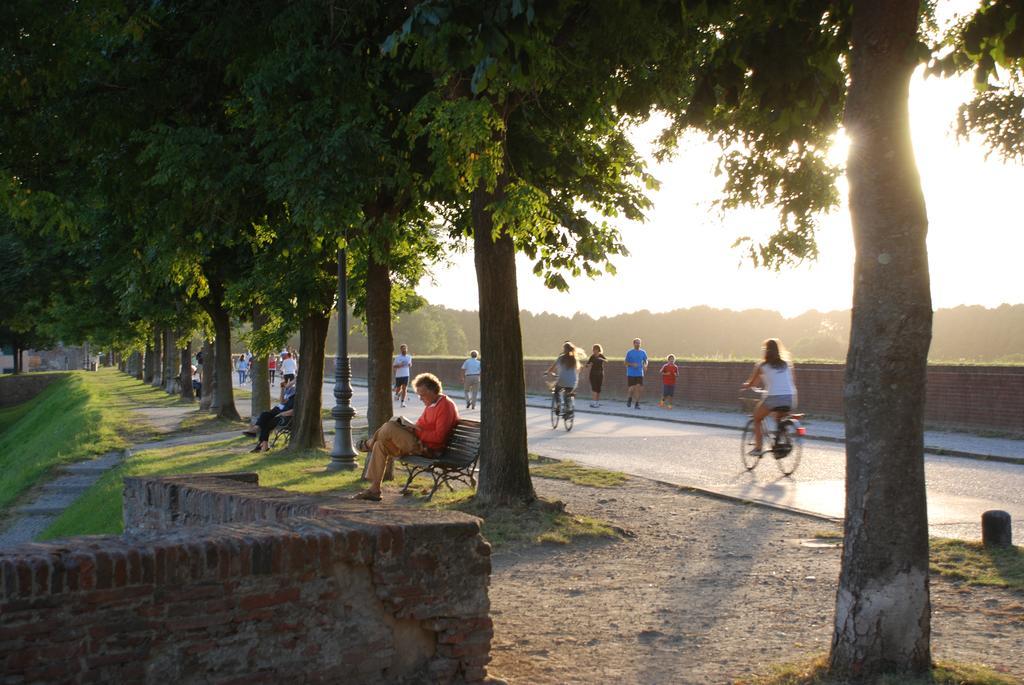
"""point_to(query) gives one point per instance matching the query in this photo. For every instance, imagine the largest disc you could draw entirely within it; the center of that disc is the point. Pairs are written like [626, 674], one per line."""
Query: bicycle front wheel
[749, 460]
[554, 411]
[788, 449]
[569, 418]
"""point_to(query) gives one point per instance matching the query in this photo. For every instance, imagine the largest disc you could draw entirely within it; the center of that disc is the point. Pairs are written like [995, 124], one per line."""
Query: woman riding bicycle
[567, 366]
[775, 376]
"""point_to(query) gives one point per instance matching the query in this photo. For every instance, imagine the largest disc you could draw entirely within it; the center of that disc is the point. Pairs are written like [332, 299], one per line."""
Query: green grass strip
[544, 467]
[975, 564]
[815, 672]
[67, 422]
[99, 510]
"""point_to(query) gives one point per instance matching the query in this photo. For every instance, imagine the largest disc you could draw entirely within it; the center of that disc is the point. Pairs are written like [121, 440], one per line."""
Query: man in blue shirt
[636, 364]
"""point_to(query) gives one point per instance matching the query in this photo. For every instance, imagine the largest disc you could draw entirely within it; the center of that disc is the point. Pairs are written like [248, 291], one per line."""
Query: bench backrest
[464, 443]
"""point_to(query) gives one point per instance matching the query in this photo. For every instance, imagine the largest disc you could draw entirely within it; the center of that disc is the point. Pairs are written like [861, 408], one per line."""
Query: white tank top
[777, 381]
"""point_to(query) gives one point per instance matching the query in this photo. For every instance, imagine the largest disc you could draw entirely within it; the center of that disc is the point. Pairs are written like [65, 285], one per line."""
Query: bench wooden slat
[457, 462]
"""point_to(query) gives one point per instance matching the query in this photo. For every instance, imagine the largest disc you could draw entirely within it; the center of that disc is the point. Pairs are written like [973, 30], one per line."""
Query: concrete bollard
[995, 529]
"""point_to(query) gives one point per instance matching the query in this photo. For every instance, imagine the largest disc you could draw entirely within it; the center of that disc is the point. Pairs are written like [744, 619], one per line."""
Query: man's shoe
[629, 402]
[368, 495]
[252, 432]
[637, 405]
[755, 452]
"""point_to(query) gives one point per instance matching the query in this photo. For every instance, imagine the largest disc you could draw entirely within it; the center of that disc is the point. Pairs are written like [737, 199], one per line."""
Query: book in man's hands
[405, 423]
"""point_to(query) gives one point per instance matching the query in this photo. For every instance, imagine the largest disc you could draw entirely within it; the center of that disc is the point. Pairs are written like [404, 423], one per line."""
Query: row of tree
[176, 167]
[972, 334]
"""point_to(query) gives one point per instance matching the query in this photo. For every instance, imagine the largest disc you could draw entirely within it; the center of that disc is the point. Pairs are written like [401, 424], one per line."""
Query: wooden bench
[457, 463]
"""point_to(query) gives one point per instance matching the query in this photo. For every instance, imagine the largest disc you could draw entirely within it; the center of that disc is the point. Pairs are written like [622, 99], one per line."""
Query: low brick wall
[957, 397]
[18, 388]
[293, 589]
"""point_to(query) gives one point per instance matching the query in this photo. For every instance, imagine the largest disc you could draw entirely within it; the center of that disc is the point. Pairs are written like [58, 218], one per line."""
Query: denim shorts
[668, 390]
[773, 401]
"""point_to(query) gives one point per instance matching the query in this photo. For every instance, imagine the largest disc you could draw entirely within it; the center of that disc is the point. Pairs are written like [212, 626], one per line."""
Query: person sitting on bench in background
[265, 423]
[401, 438]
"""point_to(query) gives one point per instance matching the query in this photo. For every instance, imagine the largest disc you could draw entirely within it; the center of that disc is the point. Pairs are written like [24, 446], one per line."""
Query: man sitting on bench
[265, 423]
[400, 438]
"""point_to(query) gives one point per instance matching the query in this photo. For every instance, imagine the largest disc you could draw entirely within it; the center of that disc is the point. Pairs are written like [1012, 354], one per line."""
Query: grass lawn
[969, 562]
[943, 673]
[99, 511]
[72, 419]
[543, 467]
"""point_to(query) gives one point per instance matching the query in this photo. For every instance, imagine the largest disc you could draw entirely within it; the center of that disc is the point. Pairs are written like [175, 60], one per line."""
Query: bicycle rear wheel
[749, 460]
[554, 410]
[787, 450]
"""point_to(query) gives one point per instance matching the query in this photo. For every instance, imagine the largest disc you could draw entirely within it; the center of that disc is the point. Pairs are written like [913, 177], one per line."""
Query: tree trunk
[883, 620]
[170, 362]
[209, 376]
[185, 373]
[158, 358]
[224, 398]
[381, 344]
[258, 373]
[135, 363]
[380, 347]
[147, 364]
[504, 461]
[308, 430]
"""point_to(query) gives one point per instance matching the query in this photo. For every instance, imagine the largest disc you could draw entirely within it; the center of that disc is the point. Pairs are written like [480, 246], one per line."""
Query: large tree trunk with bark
[209, 376]
[261, 390]
[883, 619]
[170, 361]
[224, 399]
[185, 373]
[308, 425]
[504, 460]
[148, 369]
[380, 342]
[158, 358]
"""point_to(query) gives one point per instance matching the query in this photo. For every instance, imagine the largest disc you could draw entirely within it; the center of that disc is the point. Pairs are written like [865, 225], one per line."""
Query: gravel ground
[704, 591]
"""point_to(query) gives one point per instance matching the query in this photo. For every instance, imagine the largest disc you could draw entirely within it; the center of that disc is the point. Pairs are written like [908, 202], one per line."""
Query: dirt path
[706, 591]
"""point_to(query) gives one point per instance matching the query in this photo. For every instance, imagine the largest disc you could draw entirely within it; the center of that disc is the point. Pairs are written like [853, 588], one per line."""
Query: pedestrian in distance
[242, 366]
[402, 368]
[596, 364]
[774, 374]
[272, 367]
[471, 378]
[669, 373]
[636, 365]
[289, 367]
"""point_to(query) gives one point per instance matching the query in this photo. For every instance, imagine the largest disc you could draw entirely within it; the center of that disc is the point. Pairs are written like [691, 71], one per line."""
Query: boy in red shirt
[669, 372]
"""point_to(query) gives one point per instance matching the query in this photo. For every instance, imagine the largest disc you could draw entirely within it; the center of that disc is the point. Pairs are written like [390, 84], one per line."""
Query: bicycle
[786, 440]
[566, 411]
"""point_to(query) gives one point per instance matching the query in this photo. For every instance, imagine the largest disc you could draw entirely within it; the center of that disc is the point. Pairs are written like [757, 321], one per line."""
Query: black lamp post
[343, 455]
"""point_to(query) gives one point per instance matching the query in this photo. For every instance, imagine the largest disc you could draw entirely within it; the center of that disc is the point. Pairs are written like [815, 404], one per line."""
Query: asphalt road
[959, 489]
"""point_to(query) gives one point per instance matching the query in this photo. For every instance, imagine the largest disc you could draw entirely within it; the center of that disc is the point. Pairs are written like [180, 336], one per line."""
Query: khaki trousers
[390, 441]
[472, 387]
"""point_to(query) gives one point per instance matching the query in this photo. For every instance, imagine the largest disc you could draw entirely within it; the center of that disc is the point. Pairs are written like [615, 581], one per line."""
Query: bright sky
[682, 256]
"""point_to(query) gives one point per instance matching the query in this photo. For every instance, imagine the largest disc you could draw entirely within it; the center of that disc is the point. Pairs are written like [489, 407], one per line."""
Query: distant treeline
[963, 334]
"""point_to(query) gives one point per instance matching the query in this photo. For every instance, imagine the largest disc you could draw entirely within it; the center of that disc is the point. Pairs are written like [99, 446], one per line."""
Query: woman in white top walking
[775, 376]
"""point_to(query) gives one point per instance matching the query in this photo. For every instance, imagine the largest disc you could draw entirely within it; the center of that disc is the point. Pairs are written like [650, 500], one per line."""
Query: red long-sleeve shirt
[437, 422]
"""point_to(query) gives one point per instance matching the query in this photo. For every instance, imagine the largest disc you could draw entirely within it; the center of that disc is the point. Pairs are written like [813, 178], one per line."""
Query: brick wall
[957, 397]
[294, 589]
[15, 389]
